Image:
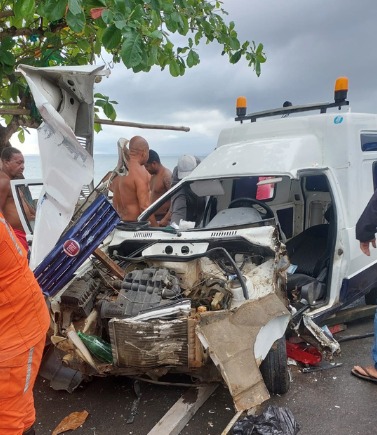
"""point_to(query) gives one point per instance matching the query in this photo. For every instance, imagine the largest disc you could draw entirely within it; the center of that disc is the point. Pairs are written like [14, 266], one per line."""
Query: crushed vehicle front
[200, 302]
[207, 302]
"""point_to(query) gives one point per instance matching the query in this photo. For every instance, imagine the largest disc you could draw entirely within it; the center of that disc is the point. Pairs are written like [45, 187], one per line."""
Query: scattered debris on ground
[71, 422]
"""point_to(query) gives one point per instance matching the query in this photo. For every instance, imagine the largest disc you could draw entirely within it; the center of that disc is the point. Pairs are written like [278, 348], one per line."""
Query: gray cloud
[308, 45]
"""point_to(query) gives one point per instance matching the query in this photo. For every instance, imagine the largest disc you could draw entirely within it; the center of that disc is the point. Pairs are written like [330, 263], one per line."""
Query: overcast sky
[308, 45]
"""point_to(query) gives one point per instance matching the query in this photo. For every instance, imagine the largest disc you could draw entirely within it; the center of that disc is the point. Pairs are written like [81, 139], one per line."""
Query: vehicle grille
[149, 344]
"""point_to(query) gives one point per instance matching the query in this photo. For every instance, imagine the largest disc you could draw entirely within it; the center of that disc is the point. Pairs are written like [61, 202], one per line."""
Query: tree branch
[139, 125]
[26, 31]
[6, 14]
[14, 112]
[106, 121]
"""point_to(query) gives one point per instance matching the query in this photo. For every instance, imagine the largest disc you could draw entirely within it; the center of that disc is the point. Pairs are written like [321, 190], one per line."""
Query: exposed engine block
[142, 290]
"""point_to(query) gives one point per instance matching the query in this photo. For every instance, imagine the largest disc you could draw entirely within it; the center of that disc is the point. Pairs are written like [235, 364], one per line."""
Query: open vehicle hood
[64, 98]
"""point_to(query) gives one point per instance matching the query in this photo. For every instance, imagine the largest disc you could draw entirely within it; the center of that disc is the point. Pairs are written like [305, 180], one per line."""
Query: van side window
[316, 183]
[368, 141]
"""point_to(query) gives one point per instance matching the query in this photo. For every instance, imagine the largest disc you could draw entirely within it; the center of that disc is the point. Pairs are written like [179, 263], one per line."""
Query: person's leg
[17, 378]
[369, 372]
[374, 348]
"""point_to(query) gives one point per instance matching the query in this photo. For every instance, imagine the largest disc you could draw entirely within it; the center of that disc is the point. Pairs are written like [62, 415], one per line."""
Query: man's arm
[4, 192]
[166, 219]
[142, 195]
[366, 226]
[167, 180]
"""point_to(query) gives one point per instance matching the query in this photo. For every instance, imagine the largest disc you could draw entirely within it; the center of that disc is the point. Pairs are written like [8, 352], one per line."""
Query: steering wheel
[255, 203]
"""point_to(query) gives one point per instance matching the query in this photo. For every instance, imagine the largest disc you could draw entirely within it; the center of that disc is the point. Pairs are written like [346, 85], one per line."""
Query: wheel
[274, 368]
[371, 297]
[267, 212]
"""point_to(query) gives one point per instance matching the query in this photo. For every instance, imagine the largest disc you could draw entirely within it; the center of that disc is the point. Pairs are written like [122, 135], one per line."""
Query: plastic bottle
[98, 347]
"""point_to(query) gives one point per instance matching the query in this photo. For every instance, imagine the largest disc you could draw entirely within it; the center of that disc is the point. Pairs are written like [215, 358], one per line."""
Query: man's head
[186, 164]
[139, 148]
[153, 164]
[13, 163]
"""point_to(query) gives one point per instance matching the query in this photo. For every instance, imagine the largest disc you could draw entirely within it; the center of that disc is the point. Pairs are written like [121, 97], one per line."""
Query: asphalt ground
[325, 402]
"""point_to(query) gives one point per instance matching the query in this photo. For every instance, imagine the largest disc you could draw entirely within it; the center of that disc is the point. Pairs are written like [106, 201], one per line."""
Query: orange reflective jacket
[24, 318]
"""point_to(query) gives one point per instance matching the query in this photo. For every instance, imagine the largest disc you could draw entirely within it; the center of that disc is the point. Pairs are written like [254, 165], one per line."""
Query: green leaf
[192, 59]
[120, 24]
[76, 22]
[14, 91]
[208, 30]
[184, 26]
[155, 18]
[259, 49]
[7, 44]
[152, 56]
[53, 10]
[155, 5]
[121, 6]
[101, 103]
[198, 37]
[97, 127]
[107, 16]
[109, 111]
[131, 51]
[235, 57]
[21, 135]
[174, 68]
[257, 68]
[75, 6]
[171, 24]
[157, 34]
[234, 43]
[7, 58]
[83, 45]
[112, 37]
[24, 8]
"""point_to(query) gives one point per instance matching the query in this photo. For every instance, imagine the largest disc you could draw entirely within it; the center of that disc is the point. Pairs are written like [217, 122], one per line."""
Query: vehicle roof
[287, 145]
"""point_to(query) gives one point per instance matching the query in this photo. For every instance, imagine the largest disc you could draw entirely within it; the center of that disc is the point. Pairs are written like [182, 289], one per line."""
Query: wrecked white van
[274, 254]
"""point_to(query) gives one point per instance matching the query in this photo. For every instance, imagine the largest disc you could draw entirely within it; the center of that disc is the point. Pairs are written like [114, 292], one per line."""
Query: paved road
[327, 402]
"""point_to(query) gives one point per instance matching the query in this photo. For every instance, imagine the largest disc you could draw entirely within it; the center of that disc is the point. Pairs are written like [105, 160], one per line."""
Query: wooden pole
[14, 112]
[19, 111]
[139, 125]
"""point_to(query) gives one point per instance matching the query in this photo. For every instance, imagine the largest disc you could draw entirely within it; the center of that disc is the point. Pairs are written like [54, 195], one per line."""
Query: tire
[274, 368]
[371, 297]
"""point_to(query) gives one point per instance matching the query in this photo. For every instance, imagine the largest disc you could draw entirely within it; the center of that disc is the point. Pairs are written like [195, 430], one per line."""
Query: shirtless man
[159, 184]
[131, 191]
[13, 165]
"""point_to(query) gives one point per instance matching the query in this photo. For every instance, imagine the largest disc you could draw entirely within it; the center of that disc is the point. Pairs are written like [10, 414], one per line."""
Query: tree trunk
[5, 134]
[7, 131]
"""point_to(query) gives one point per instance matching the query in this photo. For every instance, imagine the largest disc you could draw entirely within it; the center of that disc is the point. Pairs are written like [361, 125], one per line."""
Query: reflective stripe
[11, 234]
[28, 370]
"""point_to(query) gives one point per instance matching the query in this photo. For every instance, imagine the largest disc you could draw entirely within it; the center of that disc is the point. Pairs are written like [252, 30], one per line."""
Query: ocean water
[103, 163]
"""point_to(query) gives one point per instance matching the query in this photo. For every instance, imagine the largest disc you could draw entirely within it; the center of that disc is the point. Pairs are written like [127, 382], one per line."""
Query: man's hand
[364, 246]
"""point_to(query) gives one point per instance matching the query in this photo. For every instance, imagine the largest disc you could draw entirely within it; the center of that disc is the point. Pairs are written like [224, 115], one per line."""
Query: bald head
[139, 148]
[138, 143]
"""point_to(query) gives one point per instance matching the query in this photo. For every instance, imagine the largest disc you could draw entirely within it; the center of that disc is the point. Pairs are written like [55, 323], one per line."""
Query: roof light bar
[340, 95]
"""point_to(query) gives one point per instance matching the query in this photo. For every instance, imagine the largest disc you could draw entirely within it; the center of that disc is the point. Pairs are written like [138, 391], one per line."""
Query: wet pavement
[324, 402]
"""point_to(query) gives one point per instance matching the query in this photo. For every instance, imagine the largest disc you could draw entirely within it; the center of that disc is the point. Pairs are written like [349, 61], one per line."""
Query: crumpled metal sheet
[230, 339]
[60, 376]
[325, 341]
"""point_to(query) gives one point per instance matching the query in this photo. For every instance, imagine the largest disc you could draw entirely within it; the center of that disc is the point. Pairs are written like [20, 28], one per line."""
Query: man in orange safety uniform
[24, 321]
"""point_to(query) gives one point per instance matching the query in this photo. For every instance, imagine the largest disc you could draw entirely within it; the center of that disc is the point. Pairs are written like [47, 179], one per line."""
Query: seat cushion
[308, 249]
